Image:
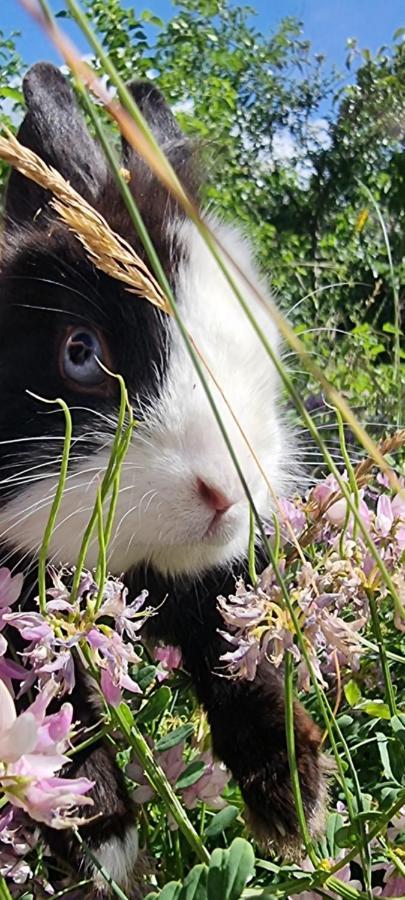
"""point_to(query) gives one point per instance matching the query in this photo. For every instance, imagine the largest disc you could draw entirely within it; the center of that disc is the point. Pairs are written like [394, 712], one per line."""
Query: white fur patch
[118, 858]
[160, 514]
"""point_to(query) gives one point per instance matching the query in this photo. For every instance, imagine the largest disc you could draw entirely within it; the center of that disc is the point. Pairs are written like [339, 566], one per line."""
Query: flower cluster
[32, 750]
[328, 589]
[81, 624]
[328, 574]
[34, 744]
[206, 784]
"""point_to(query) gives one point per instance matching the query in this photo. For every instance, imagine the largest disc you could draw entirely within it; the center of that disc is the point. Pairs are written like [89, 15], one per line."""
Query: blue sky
[327, 23]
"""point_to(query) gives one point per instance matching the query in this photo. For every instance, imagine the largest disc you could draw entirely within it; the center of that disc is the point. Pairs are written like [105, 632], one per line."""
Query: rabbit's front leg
[247, 718]
[247, 722]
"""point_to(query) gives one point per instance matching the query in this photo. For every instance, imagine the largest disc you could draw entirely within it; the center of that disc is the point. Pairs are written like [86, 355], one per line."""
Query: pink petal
[7, 709]
[336, 513]
[11, 669]
[129, 684]
[111, 691]
[20, 738]
[385, 515]
[398, 505]
[40, 765]
[142, 794]
[10, 587]
[39, 706]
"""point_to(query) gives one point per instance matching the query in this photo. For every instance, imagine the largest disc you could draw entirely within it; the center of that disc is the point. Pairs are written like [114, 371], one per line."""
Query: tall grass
[366, 818]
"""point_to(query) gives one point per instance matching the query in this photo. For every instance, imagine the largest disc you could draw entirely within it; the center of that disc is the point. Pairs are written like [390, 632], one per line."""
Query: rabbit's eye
[80, 352]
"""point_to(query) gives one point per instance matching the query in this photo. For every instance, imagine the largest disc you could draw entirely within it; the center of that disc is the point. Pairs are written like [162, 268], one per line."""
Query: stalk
[292, 759]
[4, 891]
[158, 780]
[43, 552]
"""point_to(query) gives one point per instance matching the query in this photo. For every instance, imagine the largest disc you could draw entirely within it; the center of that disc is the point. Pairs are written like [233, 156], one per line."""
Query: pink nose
[216, 499]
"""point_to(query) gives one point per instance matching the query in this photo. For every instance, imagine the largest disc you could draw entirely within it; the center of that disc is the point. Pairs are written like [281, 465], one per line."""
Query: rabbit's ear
[55, 129]
[182, 152]
[157, 113]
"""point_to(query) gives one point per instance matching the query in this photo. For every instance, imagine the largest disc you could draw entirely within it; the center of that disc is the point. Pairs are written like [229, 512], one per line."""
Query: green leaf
[375, 708]
[390, 329]
[333, 825]
[171, 891]
[12, 94]
[398, 727]
[345, 721]
[347, 836]
[352, 692]
[216, 881]
[174, 737]
[194, 887]
[145, 677]
[155, 706]
[191, 774]
[229, 870]
[126, 714]
[382, 742]
[240, 867]
[221, 821]
[148, 16]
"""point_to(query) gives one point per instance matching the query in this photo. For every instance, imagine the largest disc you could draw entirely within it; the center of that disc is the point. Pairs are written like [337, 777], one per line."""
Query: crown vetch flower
[207, 788]
[32, 750]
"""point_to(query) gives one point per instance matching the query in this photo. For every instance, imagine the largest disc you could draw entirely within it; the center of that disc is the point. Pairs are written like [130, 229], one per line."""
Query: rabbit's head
[181, 505]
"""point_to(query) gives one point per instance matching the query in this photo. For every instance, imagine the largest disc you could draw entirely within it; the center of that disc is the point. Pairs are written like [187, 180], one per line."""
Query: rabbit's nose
[214, 497]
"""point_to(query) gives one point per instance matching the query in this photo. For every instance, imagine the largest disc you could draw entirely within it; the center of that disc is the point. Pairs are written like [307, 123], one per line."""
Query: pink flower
[128, 618]
[32, 626]
[242, 661]
[15, 843]
[10, 590]
[172, 763]
[336, 514]
[209, 787]
[398, 505]
[113, 656]
[344, 874]
[323, 491]
[291, 518]
[394, 883]
[53, 800]
[399, 615]
[170, 658]
[385, 516]
[32, 749]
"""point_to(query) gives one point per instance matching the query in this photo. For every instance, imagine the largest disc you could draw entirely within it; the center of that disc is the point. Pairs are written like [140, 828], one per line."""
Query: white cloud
[284, 147]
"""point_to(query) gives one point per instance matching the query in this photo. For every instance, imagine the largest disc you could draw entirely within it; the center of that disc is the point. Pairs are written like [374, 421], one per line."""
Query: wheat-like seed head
[107, 250]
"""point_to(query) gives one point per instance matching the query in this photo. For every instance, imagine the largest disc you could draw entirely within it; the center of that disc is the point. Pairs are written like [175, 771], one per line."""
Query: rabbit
[182, 521]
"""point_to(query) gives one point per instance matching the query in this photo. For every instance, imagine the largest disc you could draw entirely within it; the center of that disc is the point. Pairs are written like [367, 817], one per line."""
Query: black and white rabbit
[182, 519]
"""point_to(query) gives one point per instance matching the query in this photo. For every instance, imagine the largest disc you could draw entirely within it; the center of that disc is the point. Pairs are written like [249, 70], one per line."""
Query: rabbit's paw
[248, 732]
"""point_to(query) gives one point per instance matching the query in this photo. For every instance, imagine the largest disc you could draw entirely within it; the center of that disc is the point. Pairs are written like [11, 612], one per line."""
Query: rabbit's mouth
[223, 527]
